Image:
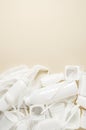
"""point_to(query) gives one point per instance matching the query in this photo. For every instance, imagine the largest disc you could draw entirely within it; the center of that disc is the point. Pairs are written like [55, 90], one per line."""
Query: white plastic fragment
[82, 84]
[3, 104]
[34, 99]
[8, 120]
[12, 96]
[52, 93]
[57, 110]
[36, 71]
[72, 117]
[14, 71]
[81, 101]
[35, 112]
[34, 76]
[48, 124]
[52, 79]
[22, 125]
[83, 119]
[72, 72]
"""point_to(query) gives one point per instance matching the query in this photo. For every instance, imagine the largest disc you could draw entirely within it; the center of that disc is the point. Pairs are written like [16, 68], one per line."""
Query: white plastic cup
[72, 72]
[52, 93]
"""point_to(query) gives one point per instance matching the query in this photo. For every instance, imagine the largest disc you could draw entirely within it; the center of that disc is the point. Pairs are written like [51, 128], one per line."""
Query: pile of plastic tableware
[35, 99]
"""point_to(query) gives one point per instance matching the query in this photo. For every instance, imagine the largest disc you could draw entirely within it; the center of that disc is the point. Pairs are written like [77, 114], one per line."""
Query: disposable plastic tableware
[72, 72]
[52, 93]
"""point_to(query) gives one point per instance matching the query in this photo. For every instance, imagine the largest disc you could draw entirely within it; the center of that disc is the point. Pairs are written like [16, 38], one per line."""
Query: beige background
[47, 32]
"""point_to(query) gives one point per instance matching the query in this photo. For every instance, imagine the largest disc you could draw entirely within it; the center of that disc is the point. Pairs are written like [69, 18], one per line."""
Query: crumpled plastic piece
[12, 95]
[72, 117]
[20, 87]
[9, 118]
[35, 99]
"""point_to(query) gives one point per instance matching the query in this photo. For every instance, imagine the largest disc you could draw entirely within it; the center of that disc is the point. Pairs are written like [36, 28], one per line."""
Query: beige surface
[47, 32]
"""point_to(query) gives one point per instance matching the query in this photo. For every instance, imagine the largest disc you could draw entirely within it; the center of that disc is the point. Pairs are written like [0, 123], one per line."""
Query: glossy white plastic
[53, 93]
